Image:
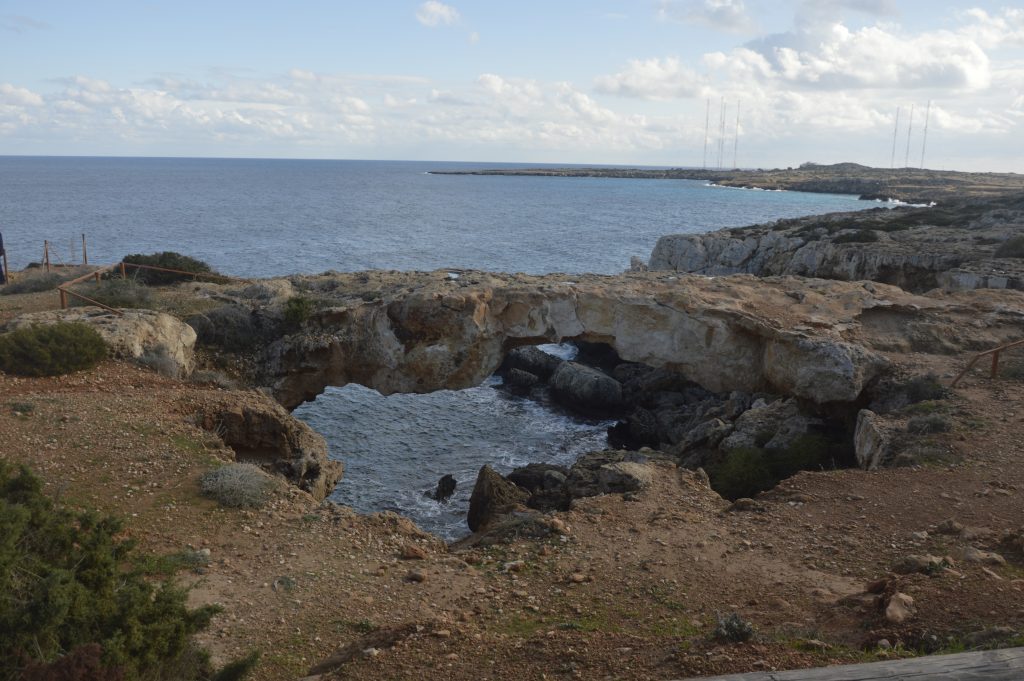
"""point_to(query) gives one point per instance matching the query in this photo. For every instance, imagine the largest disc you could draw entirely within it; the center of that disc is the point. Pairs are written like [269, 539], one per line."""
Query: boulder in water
[445, 488]
[532, 360]
[586, 389]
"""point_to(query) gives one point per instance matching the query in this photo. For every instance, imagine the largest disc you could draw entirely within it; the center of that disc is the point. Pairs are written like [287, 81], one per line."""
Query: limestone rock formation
[871, 440]
[130, 335]
[493, 498]
[813, 339]
[261, 431]
[915, 248]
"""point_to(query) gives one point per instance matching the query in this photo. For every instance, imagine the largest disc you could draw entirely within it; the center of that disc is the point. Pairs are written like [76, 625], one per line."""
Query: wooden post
[97, 274]
[46, 254]
[63, 299]
[124, 274]
[85, 253]
[7, 270]
[995, 364]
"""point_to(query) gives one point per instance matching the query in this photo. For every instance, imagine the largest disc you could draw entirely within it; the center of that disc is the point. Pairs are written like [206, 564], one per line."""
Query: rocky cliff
[813, 339]
[956, 247]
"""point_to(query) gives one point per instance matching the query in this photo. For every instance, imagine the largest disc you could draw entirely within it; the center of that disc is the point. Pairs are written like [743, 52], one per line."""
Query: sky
[636, 82]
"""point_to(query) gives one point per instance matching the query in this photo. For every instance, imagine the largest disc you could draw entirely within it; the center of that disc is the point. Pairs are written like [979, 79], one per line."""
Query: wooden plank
[988, 665]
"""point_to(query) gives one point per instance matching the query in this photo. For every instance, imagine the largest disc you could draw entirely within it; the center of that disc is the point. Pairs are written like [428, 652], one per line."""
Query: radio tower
[736, 139]
[910, 128]
[924, 139]
[721, 133]
[707, 124]
[895, 133]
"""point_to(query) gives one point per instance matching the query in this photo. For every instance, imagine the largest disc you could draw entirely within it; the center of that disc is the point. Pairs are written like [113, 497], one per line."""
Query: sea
[263, 218]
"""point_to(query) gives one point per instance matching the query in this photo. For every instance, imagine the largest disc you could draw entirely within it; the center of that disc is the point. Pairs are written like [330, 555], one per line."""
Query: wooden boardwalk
[986, 665]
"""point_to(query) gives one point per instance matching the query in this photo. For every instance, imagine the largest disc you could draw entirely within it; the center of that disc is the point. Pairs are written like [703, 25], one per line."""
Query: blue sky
[611, 81]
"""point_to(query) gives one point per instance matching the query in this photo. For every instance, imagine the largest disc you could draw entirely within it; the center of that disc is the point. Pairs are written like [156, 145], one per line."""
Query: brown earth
[630, 589]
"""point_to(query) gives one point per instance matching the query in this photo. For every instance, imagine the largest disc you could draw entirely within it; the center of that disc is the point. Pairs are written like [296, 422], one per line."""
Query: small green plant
[297, 311]
[929, 423]
[732, 628]
[237, 485]
[741, 472]
[159, 361]
[118, 293]
[1011, 248]
[925, 387]
[232, 328]
[32, 283]
[23, 408]
[75, 595]
[214, 378]
[169, 260]
[51, 350]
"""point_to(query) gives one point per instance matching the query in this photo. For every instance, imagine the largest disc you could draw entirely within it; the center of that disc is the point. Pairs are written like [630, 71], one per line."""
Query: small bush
[297, 311]
[926, 387]
[51, 350]
[215, 378]
[76, 601]
[858, 237]
[159, 361]
[32, 283]
[120, 293]
[806, 453]
[1011, 248]
[741, 472]
[169, 260]
[233, 328]
[931, 423]
[732, 628]
[237, 485]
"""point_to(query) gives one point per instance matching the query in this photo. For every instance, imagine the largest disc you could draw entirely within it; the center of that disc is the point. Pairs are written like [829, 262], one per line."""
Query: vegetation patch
[168, 260]
[33, 283]
[76, 601]
[746, 471]
[51, 350]
[118, 293]
[860, 236]
[732, 628]
[1011, 248]
[928, 423]
[297, 311]
[238, 485]
[233, 328]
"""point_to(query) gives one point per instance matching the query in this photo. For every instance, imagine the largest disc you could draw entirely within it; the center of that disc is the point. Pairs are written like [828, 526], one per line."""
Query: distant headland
[912, 185]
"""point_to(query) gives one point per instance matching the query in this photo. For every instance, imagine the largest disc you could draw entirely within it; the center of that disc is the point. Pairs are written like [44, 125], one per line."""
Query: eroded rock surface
[130, 335]
[917, 249]
[813, 339]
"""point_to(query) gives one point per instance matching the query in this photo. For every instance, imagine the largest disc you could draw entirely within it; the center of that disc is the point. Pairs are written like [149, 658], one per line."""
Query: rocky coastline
[909, 185]
[786, 449]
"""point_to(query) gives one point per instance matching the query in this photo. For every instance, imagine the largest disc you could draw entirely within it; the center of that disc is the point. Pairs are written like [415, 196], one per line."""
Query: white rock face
[130, 336]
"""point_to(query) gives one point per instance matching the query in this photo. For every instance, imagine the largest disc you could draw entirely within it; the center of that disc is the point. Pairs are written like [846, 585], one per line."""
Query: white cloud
[433, 13]
[652, 79]
[723, 15]
[16, 23]
[17, 96]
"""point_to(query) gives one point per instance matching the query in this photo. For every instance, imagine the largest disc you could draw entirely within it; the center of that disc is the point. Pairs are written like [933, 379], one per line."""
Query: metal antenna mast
[736, 138]
[924, 139]
[895, 134]
[721, 133]
[707, 124]
[910, 128]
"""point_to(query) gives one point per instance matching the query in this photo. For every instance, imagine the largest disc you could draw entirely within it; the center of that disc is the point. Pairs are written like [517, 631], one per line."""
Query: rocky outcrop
[130, 335]
[808, 338]
[872, 442]
[915, 248]
[260, 431]
[493, 498]
[586, 389]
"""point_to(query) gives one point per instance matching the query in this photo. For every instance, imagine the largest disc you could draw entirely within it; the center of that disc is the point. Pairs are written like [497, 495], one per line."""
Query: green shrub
[70, 583]
[926, 387]
[233, 328]
[806, 453]
[930, 423]
[51, 350]
[32, 283]
[741, 472]
[297, 311]
[169, 260]
[732, 628]
[237, 485]
[1011, 248]
[860, 236]
[118, 293]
